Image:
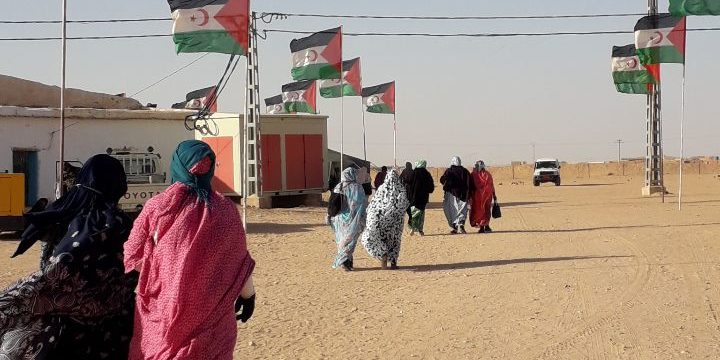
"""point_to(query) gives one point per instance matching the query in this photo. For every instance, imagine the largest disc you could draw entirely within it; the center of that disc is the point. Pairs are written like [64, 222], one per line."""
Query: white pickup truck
[145, 178]
[546, 170]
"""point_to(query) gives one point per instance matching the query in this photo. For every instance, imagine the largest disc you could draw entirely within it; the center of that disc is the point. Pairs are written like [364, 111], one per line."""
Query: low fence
[524, 172]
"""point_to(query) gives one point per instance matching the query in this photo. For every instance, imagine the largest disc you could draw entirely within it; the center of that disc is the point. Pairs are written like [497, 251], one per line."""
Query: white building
[29, 137]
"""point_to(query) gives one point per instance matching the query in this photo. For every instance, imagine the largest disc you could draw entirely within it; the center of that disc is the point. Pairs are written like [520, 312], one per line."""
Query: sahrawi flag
[380, 98]
[299, 97]
[629, 75]
[352, 81]
[275, 105]
[694, 7]
[219, 26]
[198, 99]
[317, 56]
[660, 39]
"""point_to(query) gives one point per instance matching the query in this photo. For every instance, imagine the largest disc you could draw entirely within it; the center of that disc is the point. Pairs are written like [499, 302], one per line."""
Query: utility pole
[533, 158]
[654, 182]
[619, 142]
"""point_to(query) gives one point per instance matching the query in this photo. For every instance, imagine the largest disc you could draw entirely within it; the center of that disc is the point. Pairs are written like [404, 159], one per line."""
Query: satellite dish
[150, 149]
[109, 151]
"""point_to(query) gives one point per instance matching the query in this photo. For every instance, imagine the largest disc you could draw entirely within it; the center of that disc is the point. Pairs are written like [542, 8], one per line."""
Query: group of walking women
[170, 286]
[377, 221]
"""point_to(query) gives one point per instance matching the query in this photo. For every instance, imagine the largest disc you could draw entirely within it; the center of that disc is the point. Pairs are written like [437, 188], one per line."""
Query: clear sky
[482, 98]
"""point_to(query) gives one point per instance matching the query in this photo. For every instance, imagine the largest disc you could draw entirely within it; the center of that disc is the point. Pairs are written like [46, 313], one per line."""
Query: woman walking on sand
[482, 198]
[421, 188]
[385, 223]
[349, 223]
[458, 186]
[195, 270]
[80, 304]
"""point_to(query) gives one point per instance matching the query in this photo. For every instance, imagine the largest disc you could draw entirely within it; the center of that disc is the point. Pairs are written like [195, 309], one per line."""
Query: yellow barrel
[12, 194]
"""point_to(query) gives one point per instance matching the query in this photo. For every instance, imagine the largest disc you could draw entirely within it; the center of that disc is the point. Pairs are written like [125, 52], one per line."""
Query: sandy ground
[589, 270]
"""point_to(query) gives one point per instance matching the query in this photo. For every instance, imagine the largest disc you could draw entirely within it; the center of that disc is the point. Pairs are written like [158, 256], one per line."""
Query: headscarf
[421, 164]
[188, 154]
[349, 175]
[100, 185]
[408, 166]
[479, 165]
[455, 161]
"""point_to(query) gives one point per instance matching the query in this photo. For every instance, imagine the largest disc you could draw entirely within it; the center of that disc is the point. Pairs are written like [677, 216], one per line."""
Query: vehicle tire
[557, 182]
[536, 183]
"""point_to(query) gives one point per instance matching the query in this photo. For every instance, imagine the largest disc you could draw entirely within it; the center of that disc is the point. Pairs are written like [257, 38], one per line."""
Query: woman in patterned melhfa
[383, 233]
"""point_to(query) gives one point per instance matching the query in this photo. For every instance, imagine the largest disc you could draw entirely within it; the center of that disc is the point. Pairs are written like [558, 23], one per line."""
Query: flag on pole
[275, 105]
[694, 7]
[629, 75]
[630, 88]
[219, 26]
[198, 99]
[299, 97]
[318, 56]
[380, 98]
[352, 81]
[660, 39]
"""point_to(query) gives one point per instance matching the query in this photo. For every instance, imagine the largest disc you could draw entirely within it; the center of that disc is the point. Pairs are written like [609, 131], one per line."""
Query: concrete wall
[88, 132]
[592, 170]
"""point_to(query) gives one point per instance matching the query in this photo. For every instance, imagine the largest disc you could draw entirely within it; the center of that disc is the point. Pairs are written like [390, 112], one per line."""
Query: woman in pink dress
[482, 198]
[195, 270]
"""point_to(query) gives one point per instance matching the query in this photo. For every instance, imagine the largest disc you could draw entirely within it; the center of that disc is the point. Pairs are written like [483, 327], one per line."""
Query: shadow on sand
[488, 263]
[439, 205]
[590, 185]
[275, 228]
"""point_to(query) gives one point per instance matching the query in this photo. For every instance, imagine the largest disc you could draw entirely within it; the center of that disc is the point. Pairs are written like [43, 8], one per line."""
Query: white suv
[546, 170]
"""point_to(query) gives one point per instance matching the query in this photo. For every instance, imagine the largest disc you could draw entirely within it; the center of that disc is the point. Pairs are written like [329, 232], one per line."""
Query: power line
[86, 37]
[368, 34]
[499, 17]
[171, 74]
[341, 16]
[99, 21]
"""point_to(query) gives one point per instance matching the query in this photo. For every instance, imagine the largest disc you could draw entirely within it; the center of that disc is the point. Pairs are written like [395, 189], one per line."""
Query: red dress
[482, 198]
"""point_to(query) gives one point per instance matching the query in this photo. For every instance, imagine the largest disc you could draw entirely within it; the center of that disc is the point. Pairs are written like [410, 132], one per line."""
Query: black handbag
[496, 213]
[336, 202]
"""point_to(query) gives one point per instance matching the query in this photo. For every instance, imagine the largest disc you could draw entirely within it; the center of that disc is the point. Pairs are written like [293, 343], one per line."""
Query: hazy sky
[481, 98]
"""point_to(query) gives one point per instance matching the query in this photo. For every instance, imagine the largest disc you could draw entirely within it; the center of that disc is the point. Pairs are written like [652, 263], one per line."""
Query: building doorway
[25, 161]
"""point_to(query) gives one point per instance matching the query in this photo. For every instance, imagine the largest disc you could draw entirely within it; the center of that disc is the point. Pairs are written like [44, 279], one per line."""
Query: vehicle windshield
[545, 165]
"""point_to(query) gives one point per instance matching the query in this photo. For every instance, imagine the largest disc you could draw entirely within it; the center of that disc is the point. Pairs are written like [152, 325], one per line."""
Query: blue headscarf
[187, 154]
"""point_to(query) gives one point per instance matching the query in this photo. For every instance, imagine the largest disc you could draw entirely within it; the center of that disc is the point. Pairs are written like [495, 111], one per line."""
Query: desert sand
[588, 270]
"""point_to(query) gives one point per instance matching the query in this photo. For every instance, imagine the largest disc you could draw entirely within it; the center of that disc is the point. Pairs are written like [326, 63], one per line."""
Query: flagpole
[342, 108]
[62, 97]
[394, 139]
[362, 111]
[682, 141]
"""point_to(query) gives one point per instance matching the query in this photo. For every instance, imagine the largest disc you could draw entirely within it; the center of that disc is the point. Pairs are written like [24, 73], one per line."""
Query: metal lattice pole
[251, 152]
[654, 179]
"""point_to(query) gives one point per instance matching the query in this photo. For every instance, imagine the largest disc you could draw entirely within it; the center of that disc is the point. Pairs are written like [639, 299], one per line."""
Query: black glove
[245, 308]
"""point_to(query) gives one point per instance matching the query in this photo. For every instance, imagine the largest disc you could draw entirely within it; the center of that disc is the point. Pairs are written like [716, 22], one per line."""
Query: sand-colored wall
[593, 170]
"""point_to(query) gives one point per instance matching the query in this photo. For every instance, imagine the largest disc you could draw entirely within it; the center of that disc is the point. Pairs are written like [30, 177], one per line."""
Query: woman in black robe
[80, 304]
[419, 193]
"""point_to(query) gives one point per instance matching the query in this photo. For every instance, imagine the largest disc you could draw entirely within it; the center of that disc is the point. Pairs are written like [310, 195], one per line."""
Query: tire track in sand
[580, 333]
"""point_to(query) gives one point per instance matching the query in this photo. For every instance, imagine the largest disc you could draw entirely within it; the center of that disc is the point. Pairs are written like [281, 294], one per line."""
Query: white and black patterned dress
[383, 231]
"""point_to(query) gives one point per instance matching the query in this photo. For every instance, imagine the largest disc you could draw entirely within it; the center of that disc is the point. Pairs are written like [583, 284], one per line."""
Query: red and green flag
[219, 26]
[660, 39]
[199, 99]
[629, 75]
[275, 105]
[380, 98]
[318, 56]
[299, 97]
[351, 82]
[694, 7]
